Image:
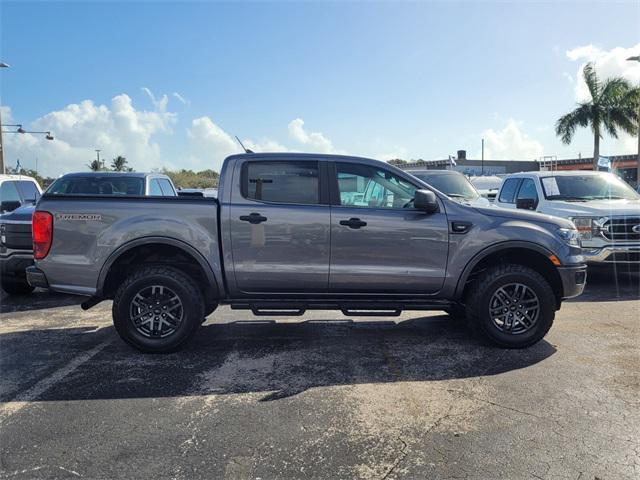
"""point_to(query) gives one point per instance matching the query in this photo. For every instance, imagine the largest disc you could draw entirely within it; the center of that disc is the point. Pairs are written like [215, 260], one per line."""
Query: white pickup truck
[605, 210]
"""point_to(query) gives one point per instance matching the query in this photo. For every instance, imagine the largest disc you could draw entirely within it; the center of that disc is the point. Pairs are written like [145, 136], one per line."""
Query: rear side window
[9, 192]
[167, 189]
[508, 192]
[29, 191]
[281, 182]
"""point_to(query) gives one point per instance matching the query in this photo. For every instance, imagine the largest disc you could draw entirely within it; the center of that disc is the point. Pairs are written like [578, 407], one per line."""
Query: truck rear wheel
[157, 309]
[512, 305]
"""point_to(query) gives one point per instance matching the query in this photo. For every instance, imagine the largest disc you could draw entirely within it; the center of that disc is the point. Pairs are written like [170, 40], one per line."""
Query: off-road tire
[16, 287]
[181, 284]
[483, 288]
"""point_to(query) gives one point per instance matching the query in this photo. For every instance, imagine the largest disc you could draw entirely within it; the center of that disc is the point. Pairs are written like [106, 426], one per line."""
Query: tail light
[42, 232]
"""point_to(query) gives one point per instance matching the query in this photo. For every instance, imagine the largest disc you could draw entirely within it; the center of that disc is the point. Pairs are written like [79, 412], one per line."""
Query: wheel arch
[140, 251]
[532, 255]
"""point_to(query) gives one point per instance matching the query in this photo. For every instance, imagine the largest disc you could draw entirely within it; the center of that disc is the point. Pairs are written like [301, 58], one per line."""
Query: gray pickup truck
[292, 232]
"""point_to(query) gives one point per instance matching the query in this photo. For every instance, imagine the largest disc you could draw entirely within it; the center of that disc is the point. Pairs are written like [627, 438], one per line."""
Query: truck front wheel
[512, 305]
[157, 309]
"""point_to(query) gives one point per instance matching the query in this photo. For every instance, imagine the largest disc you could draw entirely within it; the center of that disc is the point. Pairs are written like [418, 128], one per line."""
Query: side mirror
[9, 205]
[426, 200]
[526, 203]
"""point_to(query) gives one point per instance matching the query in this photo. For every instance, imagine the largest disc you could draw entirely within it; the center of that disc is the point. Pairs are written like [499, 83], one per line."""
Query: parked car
[17, 190]
[16, 251]
[292, 232]
[487, 185]
[453, 184]
[604, 208]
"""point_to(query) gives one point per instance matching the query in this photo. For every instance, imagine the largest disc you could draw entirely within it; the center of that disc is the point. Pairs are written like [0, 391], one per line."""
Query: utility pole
[98, 159]
[2, 65]
[482, 161]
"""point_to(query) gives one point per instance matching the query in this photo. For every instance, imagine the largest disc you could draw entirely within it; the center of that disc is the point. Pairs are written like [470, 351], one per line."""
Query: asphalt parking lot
[322, 397]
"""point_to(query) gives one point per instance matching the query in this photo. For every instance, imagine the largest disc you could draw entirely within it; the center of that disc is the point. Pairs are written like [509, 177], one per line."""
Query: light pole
[637, 59]
[2, 65]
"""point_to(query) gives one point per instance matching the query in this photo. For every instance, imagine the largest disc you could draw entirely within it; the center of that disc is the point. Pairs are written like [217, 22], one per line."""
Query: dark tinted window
[108, 185]
[508, 191]
[154, 188]
[29, 191]
[167, 189]
[528, 190]
[282, 182]
[9, 192]
[366, 186]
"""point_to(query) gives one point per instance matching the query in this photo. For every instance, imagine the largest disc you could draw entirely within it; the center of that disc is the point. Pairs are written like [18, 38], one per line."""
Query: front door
[279, 228]
[379, 242]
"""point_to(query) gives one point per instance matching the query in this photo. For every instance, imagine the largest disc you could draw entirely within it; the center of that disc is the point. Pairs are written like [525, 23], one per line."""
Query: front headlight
[570, 236]
[586, 226]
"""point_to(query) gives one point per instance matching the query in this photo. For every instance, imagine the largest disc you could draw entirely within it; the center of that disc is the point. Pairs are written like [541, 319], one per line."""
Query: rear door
[379, 242]
[279, 227]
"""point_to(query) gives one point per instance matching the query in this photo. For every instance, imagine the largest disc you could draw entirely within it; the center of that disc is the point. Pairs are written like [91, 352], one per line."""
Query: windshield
[587, 187]
[453, 185]
[97, 186]
[486, 183]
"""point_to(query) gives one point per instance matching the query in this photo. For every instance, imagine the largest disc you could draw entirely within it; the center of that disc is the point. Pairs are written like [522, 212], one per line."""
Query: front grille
[622, 229]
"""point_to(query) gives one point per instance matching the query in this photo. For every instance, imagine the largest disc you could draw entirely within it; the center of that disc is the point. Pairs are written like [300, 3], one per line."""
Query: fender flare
[481, 255]
[188, 249]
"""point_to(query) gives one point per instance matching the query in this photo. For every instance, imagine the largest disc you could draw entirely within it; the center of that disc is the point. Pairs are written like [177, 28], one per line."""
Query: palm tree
[612, 107]
[95, 165]
[119, 164]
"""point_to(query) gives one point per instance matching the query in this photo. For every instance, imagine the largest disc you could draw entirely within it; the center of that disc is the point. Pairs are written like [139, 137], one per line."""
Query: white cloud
[314, 142]
[210, 144]
[181, 99]
[609, 63]
[568, 76]
[510, 143]
[80, 128]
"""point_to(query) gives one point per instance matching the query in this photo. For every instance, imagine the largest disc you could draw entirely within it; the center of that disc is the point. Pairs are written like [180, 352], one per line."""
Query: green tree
[612, 107]
[95, 166]
[397, 161]
[119, 164]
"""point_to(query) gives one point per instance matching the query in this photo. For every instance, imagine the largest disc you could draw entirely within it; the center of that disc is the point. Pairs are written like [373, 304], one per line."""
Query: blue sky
[370, 78]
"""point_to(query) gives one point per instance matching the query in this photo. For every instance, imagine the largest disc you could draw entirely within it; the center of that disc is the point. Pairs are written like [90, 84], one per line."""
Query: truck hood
[526, 216]
[595, 208]
[21, 214]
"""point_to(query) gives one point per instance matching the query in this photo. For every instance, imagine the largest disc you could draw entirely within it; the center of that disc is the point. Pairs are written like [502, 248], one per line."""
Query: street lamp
[636, 58]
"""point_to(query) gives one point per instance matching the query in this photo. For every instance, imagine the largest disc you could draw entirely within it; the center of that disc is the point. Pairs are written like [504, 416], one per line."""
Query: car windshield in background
[454, 186]
[97, 186]
[486, 183]
[587, 187]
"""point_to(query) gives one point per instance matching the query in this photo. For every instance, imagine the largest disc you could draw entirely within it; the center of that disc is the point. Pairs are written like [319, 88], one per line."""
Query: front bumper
[612, 254]
[574, 279]
[36, 277]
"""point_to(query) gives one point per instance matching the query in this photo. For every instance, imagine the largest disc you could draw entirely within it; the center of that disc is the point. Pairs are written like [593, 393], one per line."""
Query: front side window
[282, 182]
[167, 189]
[29, 191]
[367, 186]
[508, 192]
[528, 191]
[154, 188]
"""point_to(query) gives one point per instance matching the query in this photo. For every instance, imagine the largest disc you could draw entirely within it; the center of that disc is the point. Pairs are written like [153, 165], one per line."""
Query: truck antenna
[246, 150]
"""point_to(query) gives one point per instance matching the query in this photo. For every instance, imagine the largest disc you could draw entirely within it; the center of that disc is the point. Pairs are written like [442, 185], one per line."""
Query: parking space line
[7, 409]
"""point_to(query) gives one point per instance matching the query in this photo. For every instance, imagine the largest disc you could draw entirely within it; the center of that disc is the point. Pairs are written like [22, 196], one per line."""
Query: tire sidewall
[545, 318]
[192, 313]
